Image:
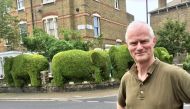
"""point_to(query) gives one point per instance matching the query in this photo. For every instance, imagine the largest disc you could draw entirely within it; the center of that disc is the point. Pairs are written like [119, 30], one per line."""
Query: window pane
[95, 21]
[23, 28]
[96, 26]
[51, 24]
[20, 4]
[117, 4]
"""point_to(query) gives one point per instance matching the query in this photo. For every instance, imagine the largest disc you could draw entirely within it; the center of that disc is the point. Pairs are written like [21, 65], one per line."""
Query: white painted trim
[22, 22]
[49, 17]
[46, 1]
[96, 14]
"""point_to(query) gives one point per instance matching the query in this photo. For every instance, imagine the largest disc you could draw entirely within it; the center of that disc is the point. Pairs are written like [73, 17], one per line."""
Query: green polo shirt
[166, 87]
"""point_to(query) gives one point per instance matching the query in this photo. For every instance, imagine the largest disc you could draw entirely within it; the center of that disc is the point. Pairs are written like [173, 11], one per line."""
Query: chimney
[162, 3]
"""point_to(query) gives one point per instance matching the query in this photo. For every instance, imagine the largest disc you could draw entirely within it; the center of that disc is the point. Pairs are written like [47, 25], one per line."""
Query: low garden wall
[66, 88]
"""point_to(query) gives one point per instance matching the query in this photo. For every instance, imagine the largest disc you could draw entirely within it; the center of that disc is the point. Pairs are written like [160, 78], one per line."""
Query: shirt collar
[151, 69]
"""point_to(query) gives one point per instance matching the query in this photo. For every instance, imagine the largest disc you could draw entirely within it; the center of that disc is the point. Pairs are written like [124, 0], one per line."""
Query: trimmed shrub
[7, 70]
[78, 65]
[186, 63]
[121, 60]
[26, 69]
[71, 65]
[162, 54]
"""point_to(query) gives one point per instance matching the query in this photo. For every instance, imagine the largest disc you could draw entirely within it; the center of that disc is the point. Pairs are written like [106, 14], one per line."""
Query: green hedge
[78, 65]
[121, 60]
[186, 63]
[26, 69]
[162, 54]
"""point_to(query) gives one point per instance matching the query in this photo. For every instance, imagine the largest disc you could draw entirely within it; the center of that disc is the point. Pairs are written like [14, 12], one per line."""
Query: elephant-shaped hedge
[78, 66]
[25, 69]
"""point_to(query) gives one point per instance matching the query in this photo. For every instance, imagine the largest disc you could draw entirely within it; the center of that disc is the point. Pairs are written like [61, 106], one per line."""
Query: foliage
[78, 65]
[97, 42]
[39, 42]
[121, 60]
[7, 70]
[26, 69]
[70, 34]
[162, 54]
[186, 63]
[48, 46]
[173, 36]
[58, 46]
[74, 37]
[9, 25]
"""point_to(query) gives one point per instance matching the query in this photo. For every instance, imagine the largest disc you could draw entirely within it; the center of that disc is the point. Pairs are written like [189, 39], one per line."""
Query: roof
[10, 53]
[174, 4]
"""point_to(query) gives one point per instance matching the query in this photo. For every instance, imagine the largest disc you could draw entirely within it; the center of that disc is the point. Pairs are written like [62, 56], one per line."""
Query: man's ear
[154, 40]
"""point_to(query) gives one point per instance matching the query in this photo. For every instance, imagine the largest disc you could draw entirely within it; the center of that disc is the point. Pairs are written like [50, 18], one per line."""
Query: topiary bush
[26, 69]
[186, 63]
[121, 60]
[78, 65]
[162, 54]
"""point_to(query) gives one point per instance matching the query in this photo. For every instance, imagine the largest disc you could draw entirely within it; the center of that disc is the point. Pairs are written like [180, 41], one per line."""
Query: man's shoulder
[170, 68]
[126, 75]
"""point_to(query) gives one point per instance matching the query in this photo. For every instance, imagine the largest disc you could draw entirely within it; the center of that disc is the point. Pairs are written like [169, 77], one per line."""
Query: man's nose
[139, 46]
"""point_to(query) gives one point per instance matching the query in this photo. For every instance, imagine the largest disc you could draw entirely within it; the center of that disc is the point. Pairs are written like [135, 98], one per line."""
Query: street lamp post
[147, 11]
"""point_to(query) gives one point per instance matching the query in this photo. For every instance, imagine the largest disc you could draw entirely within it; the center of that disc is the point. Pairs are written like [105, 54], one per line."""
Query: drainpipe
[32, 13]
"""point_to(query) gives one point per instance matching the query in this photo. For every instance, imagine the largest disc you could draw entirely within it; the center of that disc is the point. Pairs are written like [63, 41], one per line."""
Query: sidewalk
[63, 96]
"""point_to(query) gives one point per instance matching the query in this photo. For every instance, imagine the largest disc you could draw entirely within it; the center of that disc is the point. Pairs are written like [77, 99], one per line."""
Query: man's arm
[119, 106]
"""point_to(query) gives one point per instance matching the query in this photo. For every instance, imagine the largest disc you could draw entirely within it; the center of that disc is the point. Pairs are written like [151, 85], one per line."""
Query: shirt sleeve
[122, 93]
[182, 85]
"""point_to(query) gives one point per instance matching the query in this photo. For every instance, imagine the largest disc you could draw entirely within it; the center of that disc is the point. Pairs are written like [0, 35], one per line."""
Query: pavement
[61, 96]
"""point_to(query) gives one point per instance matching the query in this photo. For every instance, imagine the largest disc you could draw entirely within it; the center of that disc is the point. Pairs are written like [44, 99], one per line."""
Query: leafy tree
[70, 34]
[49, 46]
[40, 42]
[9, 25]
[58, 46]
[74, 37]
[173, 36]
[98, 42]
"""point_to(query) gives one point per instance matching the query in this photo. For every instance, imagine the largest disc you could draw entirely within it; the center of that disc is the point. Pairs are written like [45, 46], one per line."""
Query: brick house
[177, 9]
[90, 17]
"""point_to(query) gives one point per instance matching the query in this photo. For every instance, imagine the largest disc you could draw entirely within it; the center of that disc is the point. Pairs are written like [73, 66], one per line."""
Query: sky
[138, 8]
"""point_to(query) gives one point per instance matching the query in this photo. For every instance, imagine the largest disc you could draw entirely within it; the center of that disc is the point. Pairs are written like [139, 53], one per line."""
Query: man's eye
[133, 43]
[144, 41]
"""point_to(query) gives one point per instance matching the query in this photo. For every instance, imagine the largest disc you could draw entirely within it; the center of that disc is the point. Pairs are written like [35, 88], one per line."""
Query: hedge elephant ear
[97, 58]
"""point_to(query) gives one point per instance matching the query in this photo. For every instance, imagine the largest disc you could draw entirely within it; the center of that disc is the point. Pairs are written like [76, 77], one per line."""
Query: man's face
[140, 45]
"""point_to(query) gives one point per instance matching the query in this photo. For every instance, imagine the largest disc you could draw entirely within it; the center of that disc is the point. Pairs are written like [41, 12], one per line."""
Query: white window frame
[48, 1]
[54, 25]
[116, 4]
[21, 23]
[20, 5]
[96, 22]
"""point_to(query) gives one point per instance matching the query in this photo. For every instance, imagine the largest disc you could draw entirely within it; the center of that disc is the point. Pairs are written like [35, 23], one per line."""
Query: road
[94, 103]
[90, 103]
